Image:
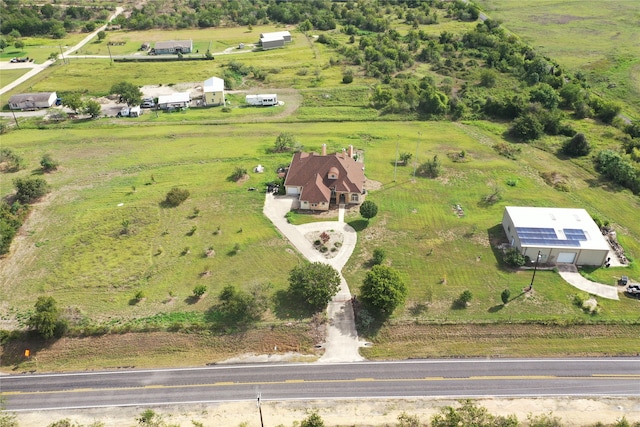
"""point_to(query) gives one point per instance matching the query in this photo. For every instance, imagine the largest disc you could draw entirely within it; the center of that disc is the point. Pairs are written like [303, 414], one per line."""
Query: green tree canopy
[368, 209]
[45, 320]
[128, 92]
[30, 189]
[383, 290]
[73, 101]
[92, 108]
[577, 146]
[314, 283]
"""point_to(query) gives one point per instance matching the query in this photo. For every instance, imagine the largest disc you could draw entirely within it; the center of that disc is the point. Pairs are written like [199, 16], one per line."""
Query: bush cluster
[176, 196]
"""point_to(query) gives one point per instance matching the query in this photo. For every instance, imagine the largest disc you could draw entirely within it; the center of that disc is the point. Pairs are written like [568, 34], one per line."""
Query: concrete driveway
[342, 341]
[575, 279]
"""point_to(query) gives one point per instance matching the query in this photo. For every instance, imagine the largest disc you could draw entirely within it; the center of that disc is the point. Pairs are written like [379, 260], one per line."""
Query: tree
[545, 95]
[347, 77]
[284, 142]
[102, 35]
[313, 420]
[463, 299]
[379, 255]
[488, 78]
[92, 108]
[315, 283]
[3, 44]
[383, 290]
[46, 318]
[53, 56]
[527, 127]
[368, 209]
[73, 101]
[176, 196]
[243, 307]
[128, 92]
[48, 164]
[19, 44]
[30, 189]
[577, 146]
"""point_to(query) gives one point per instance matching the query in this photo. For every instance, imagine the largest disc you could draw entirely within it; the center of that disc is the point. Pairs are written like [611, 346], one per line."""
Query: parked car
[633, 289]
[623, 281]
[148, 104]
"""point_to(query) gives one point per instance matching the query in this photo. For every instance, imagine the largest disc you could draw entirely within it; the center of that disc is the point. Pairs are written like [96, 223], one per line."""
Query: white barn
[561, 235]
[274, 40]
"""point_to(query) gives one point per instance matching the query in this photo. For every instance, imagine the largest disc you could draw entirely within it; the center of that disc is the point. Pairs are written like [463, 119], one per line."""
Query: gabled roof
[311, 172]
[31, 97]
[214, 84]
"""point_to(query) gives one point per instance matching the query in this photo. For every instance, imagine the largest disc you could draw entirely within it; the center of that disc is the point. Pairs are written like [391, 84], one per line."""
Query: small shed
[176, 100]
[32, 101]
[173, 47]
[213, 89]
[559, 235]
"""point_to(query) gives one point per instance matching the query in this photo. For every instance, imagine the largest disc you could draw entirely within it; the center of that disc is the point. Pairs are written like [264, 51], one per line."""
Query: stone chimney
[324, 149]
[351, 151]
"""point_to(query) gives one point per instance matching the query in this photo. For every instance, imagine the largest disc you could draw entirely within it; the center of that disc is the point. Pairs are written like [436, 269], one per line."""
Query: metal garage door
[292, 191]
[566, 257]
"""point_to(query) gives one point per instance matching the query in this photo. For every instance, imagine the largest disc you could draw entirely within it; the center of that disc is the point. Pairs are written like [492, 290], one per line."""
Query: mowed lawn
[73, 246]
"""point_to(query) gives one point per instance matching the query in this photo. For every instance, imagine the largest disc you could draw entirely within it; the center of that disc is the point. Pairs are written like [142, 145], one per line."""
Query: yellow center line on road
[293, 381]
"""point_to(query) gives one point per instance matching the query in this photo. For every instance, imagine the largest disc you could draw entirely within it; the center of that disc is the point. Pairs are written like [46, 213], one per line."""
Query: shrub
[379, 255]
[577, 146]
[513, 258]
[430, 168]
[507, 150]
[527, 128]
[199, 290]
[10, 162]
[347, 77]
[176, 196]
[238, 173]
[368, 209]
[463, 299]
[30, 189]
[139, 296]
[505, 295]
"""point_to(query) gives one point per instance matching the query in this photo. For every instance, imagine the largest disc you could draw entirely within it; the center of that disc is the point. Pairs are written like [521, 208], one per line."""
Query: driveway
[342, 341]
[575, 279]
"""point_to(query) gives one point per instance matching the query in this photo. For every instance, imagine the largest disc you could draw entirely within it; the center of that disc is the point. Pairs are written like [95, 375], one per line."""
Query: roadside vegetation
[151, 227]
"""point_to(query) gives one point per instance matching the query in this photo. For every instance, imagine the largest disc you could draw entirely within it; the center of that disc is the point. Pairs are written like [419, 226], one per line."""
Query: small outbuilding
[561, 236]
[32, 101]
[173, 101]
[213, 89]
[173, 47]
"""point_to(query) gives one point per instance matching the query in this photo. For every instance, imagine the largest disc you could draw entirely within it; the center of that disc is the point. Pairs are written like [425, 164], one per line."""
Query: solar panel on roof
[575, 234]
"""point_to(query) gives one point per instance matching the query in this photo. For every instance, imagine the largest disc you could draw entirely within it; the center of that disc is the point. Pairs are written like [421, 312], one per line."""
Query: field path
[341, 343]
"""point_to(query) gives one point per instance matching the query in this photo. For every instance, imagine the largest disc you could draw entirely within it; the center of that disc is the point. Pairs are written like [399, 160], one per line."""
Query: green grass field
[607, 35]
[75, 249]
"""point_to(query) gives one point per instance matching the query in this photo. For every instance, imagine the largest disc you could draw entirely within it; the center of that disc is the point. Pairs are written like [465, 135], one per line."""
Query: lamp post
[534, 270]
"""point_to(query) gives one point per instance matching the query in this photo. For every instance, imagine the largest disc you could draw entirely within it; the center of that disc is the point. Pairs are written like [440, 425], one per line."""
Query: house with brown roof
[319, 180]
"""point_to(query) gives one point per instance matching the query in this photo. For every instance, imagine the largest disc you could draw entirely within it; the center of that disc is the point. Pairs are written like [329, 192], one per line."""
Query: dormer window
[333, 173]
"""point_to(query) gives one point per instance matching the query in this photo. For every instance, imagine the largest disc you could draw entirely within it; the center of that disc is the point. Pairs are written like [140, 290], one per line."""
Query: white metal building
[561, 235]
[176, 100]
[213, 90]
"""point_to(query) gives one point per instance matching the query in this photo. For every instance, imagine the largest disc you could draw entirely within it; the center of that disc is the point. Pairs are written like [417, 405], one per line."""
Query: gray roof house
[173, 47]
[30, 101]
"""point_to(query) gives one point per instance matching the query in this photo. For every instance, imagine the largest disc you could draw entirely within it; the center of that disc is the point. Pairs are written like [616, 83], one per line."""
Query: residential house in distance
[274, 40]
[319, 180]
[32, 101]
[174, 101]
[560, 235]
[213, 89]
[173, 47]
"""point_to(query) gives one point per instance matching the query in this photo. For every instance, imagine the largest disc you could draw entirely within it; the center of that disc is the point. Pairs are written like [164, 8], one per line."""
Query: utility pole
[14, 118]
[395, 169]
[260, 409]
[64, 61]
[110, 57]
[415, 164]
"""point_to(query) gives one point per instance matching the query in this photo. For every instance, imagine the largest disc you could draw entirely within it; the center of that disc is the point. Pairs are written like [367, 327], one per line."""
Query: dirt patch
[361, 412]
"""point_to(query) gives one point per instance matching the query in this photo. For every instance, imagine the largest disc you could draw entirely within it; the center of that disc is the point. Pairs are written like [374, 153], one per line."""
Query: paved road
[438, 378]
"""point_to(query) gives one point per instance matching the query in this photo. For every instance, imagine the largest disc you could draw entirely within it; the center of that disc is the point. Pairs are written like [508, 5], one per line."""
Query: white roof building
[179, 99]
[560, 235]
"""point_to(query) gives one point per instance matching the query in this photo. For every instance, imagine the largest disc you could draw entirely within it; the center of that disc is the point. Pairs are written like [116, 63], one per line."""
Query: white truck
[262, 99]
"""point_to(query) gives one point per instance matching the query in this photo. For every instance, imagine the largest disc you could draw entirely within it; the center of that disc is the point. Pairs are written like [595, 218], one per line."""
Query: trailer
[130, 112]
[262, 99]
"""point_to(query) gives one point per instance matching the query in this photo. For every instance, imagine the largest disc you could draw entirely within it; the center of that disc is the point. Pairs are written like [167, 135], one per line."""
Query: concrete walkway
[342, 341]
[575, 279]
